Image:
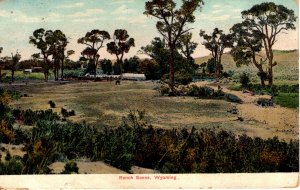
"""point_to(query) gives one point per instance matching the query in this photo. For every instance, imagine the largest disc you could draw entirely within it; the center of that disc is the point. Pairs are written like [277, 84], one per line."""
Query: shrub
[70, 167]
[52, 104]
[72, 113]
[30, 117]
[8, 156]
[244, 80]
[64, 112]
[183, 77]
[164, 90]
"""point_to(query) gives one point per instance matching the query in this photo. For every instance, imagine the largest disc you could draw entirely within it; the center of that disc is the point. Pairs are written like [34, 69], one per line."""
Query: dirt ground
[103, 103]
[88, 168]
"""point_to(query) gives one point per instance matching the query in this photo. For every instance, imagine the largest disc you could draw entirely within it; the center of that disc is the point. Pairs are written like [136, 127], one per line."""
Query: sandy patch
[88, 168]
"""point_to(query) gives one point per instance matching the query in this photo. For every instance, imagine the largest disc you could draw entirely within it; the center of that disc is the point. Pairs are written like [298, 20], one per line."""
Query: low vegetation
[203, 92]
[135, 142]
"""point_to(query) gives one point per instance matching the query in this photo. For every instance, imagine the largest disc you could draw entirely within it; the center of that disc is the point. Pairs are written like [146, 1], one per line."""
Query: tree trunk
[270, 76]
[12, 75]
[62, 69]
[45, 68]
[172, 71]
[0, 75]
[271, 67]
[262, 82]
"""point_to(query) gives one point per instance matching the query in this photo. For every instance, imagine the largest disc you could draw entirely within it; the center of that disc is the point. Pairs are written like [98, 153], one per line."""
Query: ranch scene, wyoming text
[149, 87]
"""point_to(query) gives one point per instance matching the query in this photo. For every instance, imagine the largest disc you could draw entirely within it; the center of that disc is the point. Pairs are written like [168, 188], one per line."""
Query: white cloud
[73, 5]
[210, 17]
[217, 11]
[141, 19]
[123, 10]
[86, 20]
[121, 1]
[23, 18]
[86, 13]
[216, 6]
[53, 17]
[4, 13]
[236, 10]
[223, 17]
[20, 17]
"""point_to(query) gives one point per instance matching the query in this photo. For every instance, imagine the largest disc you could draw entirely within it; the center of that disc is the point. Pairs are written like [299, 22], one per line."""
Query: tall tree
[13, 64]
[172, 24]
[216, 43]
[120, 45]
[94, 40]
[247, 49]
[58, 43]
[39, 40]
[267, 21]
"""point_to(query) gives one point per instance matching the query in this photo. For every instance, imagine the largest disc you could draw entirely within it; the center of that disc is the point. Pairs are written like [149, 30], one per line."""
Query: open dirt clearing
[104, 103]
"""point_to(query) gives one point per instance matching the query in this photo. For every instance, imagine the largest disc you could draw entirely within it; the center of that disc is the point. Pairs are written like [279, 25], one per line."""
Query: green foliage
[70, 167]
[259, 31]
[211, 66]
[106, 66]
[13, 166]
[7, 156]
[72, 65]
[200, 92]
[216, 42]
[151, 69]
[73, 73]
[120, 45]
[244, 80]
[131, 65]
[94, 41]
[160, 67]
[30, 117]
[289, 100]
[183, 77]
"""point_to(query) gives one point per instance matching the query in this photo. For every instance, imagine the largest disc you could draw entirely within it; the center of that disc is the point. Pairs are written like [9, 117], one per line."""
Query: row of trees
[51, 44]
[95, 39]
[251, 41]
[54, 54]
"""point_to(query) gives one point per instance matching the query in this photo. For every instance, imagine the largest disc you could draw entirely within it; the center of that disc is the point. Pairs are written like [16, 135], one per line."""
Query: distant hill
[287, 68]
[281, 56]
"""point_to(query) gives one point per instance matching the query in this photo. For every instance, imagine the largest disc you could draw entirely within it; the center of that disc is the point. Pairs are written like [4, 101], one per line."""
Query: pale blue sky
[19, 18]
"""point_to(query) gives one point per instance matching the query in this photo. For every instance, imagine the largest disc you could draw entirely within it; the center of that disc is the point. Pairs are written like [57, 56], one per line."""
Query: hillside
[286, 70]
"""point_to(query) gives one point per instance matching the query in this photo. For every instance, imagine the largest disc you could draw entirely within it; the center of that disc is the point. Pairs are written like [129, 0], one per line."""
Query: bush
[64, 112]
[30, 117]
[183, 77]
[72, 113]
[52, 104]
[70, 167]
[244, 80]
[164, 90]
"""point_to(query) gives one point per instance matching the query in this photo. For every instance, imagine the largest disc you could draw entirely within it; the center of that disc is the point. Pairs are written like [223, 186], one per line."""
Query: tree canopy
[216, 43]
[94, 40]
[172, 24]
[120, 45]
[262, 24]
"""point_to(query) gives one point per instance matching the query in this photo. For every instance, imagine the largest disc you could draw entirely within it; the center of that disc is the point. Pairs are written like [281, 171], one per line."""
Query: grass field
[104, 103]
[290, 100]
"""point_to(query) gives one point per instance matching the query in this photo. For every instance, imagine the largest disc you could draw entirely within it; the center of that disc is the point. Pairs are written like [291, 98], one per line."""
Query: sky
[19, 18]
